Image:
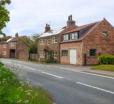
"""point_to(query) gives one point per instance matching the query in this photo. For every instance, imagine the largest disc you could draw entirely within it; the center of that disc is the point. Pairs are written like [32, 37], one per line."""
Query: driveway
[66, 86]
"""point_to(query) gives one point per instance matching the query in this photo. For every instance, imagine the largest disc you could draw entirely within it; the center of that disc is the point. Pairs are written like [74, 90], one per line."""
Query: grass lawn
[104, 67]
[12, 91]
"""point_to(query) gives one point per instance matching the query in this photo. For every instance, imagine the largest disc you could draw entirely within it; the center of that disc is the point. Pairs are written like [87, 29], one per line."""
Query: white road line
[97, 75]
[52, 75]
[89, 73]
[101, 89]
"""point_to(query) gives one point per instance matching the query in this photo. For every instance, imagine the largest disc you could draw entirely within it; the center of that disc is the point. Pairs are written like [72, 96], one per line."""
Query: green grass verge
[103, 67]
[12, 91]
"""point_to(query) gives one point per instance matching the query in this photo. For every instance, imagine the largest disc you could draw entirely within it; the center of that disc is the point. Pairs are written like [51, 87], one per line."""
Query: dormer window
[66, 37]
[74, 36]
[70, 36]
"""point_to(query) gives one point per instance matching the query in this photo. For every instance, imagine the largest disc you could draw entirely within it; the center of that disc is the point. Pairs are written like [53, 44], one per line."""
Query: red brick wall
[22, 51]
[68, 46]
[4, 50]
[96, 40]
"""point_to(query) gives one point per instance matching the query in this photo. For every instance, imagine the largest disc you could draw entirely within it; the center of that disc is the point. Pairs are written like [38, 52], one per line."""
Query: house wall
[96, 40]
[4, 50]
[52, 46]
[22, 51]
[71, 45]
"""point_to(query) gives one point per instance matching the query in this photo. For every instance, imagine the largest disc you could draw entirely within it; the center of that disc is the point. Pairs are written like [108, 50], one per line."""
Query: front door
[73, 56]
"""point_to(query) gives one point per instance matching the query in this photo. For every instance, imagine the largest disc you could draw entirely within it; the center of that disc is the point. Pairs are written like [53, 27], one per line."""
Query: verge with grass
[12, 91]
[103, 67]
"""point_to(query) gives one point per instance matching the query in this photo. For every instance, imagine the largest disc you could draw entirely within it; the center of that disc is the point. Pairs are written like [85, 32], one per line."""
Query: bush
[1, 64]
[106, 59]
[50, 58]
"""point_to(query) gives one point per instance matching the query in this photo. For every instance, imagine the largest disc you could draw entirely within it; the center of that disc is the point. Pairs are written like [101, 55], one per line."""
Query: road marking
[96, 75]
[89, 73]
[52, 75]
[101, 89]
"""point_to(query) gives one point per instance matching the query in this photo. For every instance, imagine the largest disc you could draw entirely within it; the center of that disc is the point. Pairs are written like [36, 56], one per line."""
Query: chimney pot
[47, 28]
[70, 22]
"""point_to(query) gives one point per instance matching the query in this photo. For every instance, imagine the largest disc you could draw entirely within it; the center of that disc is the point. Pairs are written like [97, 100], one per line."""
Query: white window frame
[66, 37]
[55, 54]
[49, 41]
[55, 40]
[74, 36]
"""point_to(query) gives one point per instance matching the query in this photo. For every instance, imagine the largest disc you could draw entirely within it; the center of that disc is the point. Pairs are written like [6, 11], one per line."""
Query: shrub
[1, 64]
[50, 58]
[106, 59]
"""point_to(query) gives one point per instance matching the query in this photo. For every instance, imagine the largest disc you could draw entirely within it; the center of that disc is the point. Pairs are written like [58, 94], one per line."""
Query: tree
[34, 45]
[4, 14]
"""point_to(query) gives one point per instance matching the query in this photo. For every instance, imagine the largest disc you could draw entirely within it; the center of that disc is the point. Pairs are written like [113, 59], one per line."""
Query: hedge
[106, 59]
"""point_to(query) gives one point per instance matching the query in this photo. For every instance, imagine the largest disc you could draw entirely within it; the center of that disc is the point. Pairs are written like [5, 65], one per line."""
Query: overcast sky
[30, 16]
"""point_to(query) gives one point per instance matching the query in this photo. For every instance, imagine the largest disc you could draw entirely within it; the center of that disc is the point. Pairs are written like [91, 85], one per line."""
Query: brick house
[14, 48]
[4, 50]
[81, 45]
[48, 42]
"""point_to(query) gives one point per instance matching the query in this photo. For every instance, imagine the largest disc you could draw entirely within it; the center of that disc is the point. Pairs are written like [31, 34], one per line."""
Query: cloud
[30, 16]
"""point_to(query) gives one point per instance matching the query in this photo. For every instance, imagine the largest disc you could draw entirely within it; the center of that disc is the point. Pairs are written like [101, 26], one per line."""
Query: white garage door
[73, 56]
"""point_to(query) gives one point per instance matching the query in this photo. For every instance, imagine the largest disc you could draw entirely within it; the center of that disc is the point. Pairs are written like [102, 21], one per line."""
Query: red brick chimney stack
[70, 22]
[47, 28]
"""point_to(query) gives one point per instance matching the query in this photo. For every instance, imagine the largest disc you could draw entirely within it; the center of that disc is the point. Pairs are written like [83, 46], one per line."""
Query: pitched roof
[50, 33]
[13, 39]
[82, 30]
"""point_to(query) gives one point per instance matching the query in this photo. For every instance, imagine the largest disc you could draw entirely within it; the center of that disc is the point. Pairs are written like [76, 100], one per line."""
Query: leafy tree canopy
[32, 46]
[4, 14]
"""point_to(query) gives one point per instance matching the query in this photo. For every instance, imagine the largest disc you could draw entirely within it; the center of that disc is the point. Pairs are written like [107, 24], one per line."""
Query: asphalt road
[66, 86]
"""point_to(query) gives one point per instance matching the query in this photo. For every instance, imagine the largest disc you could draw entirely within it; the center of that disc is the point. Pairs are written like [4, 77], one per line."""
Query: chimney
[70, 22]
[16, 35]
[47, 28]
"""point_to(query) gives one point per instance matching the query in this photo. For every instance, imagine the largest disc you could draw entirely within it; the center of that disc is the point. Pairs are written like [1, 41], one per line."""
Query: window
[55, 54]
[66, 37]
[92, 52]
[64, 52]
[71, 36]
[42, 55]
[74, 36]
[42, 41]
[105, 33]
[55, 39]
[48, 41]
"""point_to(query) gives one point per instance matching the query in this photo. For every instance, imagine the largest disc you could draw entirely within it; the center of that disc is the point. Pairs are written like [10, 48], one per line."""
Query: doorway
[73, 56]
[12, 53]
